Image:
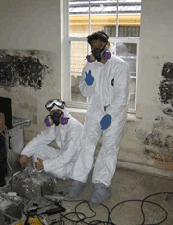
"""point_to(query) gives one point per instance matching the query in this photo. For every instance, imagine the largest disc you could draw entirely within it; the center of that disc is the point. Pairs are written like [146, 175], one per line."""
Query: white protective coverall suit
[59, 162]
[110, 88]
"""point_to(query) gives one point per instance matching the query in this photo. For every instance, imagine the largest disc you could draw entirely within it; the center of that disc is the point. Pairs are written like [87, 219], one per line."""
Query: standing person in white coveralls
[106, 80]
[63, 128]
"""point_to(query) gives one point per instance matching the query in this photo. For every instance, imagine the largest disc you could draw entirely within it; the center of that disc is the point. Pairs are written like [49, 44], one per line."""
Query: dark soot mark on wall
[166, 85]
[26, 71]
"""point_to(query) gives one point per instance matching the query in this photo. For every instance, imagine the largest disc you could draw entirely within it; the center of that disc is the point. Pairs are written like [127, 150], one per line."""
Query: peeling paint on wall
[158, 144]
[17, 69]
[158, 137]
[162, 133]
[166, 162]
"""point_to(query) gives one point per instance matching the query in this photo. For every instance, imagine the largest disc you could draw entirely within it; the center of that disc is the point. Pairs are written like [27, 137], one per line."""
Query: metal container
[15, 143]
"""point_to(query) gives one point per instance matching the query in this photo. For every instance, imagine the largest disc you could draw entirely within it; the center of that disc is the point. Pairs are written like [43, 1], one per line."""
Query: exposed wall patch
[17, 69]
[166, 85]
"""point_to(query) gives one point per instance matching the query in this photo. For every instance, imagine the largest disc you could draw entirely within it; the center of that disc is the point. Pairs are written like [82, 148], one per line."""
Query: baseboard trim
[147, 169]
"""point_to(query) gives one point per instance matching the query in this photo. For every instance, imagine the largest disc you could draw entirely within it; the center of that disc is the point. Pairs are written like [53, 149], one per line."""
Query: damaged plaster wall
[15, 70]
[26, 95]
[33, 32]
[150, 140]
[155, 51]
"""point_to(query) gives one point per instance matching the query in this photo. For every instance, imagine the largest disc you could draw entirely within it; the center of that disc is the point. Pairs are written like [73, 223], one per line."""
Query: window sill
[131, 117]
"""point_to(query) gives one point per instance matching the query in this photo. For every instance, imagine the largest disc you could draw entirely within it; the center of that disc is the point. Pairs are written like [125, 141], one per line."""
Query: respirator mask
[98, 54]
[55, 118]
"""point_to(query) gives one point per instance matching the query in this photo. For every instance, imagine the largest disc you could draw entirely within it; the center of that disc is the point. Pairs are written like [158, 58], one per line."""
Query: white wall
[155, 49]
[33, 25]
[30, 24]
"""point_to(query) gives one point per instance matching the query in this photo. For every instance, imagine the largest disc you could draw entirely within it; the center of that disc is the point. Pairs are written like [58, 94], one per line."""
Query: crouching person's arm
[46, 137]
[23, 160]
[39, 164]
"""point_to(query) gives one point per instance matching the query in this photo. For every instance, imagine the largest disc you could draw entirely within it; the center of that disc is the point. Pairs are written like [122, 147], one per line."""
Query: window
[120, 19]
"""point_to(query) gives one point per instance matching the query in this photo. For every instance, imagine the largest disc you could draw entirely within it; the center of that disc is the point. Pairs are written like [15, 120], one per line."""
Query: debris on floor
[11, 204]
[30, 183]
[23, 186]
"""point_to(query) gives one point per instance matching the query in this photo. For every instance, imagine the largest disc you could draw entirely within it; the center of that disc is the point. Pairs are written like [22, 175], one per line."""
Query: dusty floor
[127, 185]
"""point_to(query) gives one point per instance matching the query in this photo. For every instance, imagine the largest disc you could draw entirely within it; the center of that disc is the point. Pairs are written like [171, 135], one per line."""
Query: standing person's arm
[87, 83]
[120, 90]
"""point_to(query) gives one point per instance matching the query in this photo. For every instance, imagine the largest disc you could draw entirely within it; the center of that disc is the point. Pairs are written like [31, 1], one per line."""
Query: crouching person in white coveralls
[63, 128]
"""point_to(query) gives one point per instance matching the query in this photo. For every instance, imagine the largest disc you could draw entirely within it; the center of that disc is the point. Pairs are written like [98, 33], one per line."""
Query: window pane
[75, 91]
[129, 31]
[128, 52]
[123, 31]
[78, 18]
[103, 13]
[103, 17]
[129, 18]
[78, 56]
[132, 93]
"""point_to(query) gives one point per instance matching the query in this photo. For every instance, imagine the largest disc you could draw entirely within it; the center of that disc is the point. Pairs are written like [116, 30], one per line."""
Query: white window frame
[65, 58]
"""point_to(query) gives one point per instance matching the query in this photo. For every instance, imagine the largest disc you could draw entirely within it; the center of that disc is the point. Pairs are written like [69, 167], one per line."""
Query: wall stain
[166, 85]
[155, 57]
[16, 70]
[31, 111]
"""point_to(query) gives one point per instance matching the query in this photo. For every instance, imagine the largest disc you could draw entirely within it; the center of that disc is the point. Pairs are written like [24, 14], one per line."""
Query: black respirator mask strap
[104, 47]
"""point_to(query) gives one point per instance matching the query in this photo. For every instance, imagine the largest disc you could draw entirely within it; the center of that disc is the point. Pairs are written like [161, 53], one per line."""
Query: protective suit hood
[65, 110]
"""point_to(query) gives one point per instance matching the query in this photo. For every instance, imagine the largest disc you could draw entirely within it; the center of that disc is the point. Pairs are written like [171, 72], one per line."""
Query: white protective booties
[100, 194]
[75, 190]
